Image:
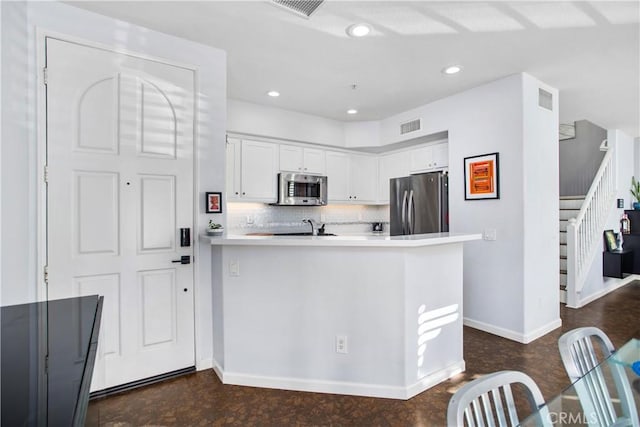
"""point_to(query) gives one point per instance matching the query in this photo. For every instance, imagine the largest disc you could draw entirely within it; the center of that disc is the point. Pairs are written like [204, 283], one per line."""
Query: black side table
[615, 263]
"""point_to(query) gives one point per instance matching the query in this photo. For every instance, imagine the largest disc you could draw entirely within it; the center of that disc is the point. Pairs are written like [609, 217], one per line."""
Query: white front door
[120, 186]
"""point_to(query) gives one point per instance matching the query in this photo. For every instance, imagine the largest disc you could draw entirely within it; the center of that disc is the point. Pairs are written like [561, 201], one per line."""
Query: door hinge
[45, 75]
[46, 173]
[46, 364]
[46, 274]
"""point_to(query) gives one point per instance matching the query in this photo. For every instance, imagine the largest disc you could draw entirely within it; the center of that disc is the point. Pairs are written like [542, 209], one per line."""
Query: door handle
[411, 211]
[184, 259]
[404, 213]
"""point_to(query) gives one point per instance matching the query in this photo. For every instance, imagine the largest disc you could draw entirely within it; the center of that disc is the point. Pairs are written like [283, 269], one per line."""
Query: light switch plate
[234, 268]
[489, 234]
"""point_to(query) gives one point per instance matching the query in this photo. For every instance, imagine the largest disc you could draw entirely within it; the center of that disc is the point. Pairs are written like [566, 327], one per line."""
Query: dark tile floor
[200, 399]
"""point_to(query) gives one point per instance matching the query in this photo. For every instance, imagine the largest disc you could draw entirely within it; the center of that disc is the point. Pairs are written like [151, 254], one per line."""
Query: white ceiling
[590, 51]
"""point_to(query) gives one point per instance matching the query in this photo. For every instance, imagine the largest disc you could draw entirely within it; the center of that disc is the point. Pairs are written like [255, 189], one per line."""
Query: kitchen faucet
[312, 223]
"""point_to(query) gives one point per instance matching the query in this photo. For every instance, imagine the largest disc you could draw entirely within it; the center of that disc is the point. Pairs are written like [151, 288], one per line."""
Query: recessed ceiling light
[352, 111]
[452, 69]
[358, 30]
[273, 93]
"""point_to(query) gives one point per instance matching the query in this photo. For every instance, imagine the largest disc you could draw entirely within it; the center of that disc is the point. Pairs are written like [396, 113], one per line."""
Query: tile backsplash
[243, 218]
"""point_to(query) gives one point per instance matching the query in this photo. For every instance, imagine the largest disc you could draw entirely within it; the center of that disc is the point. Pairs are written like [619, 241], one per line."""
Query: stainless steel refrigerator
[419, 204]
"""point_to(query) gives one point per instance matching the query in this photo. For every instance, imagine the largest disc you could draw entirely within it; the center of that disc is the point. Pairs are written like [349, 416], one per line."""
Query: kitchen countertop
[414, 240]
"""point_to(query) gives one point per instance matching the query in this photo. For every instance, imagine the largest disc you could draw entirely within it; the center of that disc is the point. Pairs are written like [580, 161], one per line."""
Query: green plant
[213, 225]
[635, 188]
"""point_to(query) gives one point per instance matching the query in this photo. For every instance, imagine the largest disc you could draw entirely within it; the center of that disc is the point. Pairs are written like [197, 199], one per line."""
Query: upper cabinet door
[259, 171]
[233, 169]
[391, 166]
[440, 158]
[302, 160]
[337, 176]
[430, 158]
[314, 161]
[291, 158]
[364, 178]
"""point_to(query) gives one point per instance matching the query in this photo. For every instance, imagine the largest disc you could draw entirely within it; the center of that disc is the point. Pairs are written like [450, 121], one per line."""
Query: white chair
[579, 357]
[489, 401]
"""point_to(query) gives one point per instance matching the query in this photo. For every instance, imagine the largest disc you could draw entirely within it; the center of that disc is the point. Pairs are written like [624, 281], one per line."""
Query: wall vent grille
[410, 126]
[303, 8]
[545, 99]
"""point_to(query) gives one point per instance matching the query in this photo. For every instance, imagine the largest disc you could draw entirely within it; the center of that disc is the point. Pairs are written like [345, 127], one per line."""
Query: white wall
[18, 160]
[540, 193]
[19, 144]
[486, 119]
[3, 44]
[362, 134]
[636, 157]
[253, 119]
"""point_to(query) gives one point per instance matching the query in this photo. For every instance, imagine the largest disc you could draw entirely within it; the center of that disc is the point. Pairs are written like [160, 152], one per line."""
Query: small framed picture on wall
[214, 202]
[481, 177]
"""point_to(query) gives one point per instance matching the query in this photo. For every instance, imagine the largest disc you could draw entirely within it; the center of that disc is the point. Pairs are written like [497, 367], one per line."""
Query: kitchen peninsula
[362, 315]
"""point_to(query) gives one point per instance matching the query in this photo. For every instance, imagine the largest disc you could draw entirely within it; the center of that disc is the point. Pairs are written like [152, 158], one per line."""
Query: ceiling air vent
[303, 8]
[410, 126]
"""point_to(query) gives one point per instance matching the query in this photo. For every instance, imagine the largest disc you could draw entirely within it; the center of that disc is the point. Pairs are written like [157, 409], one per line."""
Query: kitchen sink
[308, 233]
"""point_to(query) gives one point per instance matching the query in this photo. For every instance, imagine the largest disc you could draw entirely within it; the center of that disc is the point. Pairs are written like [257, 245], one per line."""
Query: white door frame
[41, 155]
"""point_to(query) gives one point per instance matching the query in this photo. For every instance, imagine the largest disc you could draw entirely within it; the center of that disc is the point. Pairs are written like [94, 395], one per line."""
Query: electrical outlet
[234, 268]
[323, 217]
[250, 219]
[341, 344]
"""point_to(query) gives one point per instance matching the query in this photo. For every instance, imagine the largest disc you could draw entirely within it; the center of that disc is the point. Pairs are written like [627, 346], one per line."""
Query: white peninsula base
[284, 306]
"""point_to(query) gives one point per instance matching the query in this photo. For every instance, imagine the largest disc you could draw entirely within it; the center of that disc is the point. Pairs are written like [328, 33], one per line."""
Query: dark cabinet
[614, 264]
[629, 260]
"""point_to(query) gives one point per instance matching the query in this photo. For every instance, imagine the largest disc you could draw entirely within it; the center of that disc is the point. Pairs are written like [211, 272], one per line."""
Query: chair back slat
[579, 357]
[511, 405]
[500, 411]
[477, 411]
[488, 410]
[488, 401]
[468, 416]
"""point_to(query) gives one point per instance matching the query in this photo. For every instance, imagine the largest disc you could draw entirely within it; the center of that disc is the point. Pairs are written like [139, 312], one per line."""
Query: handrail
[585, 231]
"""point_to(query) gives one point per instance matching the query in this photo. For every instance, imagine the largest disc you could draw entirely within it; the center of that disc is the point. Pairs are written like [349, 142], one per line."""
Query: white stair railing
[584, 233]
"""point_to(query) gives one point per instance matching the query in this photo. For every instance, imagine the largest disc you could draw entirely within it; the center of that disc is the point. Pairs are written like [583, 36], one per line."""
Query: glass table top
[44, 352]
[608, 395]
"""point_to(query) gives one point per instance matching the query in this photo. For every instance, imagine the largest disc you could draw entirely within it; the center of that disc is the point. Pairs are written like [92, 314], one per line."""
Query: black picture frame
[213, 202]
[610, 240]
[482, 177]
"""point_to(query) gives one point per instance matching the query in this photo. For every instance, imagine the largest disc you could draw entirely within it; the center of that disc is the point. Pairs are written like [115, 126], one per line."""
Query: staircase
[569, 208]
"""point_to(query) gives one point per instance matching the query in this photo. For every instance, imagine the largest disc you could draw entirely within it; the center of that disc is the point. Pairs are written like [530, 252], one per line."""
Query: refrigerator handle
[411, 213]
[404, 213]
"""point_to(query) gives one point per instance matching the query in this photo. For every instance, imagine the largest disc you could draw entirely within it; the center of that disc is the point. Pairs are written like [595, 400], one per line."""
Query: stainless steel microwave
[297, 189]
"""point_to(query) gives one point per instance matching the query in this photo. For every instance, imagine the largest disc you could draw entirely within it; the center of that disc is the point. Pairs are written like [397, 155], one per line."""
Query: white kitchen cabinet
[429, 158]
[337, 176]
[251, 174]
[301, 159]
[391, 166]
[351, 177]
[233, 164]
[363, 178]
